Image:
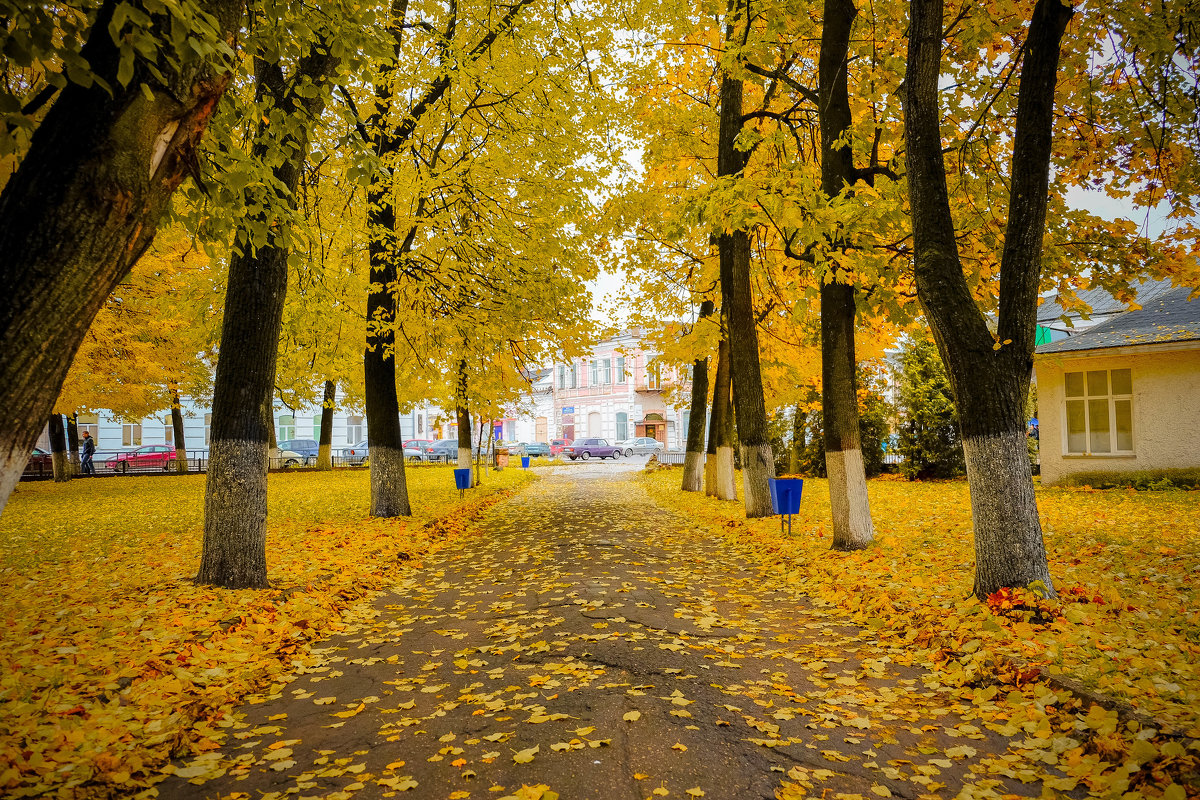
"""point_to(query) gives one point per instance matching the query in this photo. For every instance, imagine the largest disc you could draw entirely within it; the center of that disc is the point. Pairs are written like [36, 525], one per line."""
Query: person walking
[89, 450]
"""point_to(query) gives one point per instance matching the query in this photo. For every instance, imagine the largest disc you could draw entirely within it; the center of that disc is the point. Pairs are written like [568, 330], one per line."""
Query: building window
[653, 376]
[207, 428]
[606, 375]
[354, 430]
[620, 369]
[622, 426]
[595, 372]
[1099, 412]
[168, 430]
[131, 434]
[420, 424]
[317, 427]
[574, 376]
[562, 376]
[89, 423]
[287, 427]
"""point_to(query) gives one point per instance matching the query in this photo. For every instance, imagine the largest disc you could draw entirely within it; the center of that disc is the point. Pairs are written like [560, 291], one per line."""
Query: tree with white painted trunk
[235, 489]
[325, 444]
[693, 464]
[58, 449]
[719, 475]
[989, 373]
[758, 463]
[181, 461]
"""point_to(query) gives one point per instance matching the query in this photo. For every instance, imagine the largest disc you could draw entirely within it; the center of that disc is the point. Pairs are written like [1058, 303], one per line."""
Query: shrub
[1142, 480]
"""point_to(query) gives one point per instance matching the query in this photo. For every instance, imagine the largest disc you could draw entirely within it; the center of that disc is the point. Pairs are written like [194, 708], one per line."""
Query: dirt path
[588, 641]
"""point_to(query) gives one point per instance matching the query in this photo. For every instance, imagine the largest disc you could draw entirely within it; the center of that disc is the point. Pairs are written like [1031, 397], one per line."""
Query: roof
[1166, 317]
[1102, 303]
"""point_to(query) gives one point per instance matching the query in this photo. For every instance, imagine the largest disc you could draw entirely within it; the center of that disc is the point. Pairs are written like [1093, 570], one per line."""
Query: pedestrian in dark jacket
[89, 450]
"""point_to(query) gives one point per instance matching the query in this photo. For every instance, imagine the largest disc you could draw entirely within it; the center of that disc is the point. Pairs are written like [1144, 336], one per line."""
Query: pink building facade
[616, 392]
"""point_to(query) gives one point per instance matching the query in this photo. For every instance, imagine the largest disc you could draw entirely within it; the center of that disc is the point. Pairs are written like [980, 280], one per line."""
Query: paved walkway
[591, 642]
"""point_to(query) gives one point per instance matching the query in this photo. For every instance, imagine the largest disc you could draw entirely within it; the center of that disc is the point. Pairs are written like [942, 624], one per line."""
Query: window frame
[1086, 399]
[131, 434]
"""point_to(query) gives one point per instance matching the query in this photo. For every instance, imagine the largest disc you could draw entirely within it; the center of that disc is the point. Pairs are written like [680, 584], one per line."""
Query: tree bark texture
[758, 463]
[693, 465]
[58, 449]
[797, 441]
[73, 442]
[990, 382]
[235, 491]
[181, 460]
[852, 528]
[325, 445]
[81, 209]
[719, 476]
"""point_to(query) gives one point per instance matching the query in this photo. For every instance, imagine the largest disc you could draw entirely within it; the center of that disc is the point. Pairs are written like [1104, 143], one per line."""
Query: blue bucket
[462, 478]
[524, 462]
[785, 495]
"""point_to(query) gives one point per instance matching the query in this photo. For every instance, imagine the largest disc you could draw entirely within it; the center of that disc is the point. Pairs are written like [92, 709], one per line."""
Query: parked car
[285, 459]
[641, 445]
[148, 456]
[537, 449]
[419, 448]
[356, 455]
[557, 445]
[443, 450]
[514, 448]
[587, 448]
[305, 447]
[40, 463]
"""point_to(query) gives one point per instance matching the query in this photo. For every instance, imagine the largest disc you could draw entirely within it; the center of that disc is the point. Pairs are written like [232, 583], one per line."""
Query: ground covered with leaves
[1125, 631]
[112, 660]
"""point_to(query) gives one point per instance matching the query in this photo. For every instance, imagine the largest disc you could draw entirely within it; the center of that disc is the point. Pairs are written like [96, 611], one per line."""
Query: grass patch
[113, 661]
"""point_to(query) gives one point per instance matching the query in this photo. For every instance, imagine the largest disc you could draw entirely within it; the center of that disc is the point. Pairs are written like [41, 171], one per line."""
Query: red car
[557, 445]
[150, 456]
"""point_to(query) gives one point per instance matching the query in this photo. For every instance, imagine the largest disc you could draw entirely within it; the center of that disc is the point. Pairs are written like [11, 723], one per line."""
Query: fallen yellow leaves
[1126, 624]
[113, 660]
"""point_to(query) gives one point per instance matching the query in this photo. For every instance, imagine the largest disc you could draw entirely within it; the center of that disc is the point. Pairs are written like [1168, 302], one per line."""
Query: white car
[285, 459]
[642, 445]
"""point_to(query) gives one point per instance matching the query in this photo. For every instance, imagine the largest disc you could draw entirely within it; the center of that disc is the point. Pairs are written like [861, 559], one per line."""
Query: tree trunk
[181, 459]
[82, 208]
[58, 449]
[852, 528]
[235, 491]
[797, 441]
[73, 443]
[693, 464]
[389, 486]
[325, 446]
[989, 376]
[719, 475]
[758, 463]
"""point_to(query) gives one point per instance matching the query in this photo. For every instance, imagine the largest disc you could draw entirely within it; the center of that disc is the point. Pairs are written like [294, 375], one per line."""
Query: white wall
[1166, 410]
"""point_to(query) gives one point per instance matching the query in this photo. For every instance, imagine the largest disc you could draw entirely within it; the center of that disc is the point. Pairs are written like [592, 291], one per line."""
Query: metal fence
[120, 462]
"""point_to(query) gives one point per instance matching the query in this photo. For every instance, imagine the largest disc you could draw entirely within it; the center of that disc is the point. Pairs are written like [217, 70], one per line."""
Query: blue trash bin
[524, 462]
[462, 479]
[785, 498]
